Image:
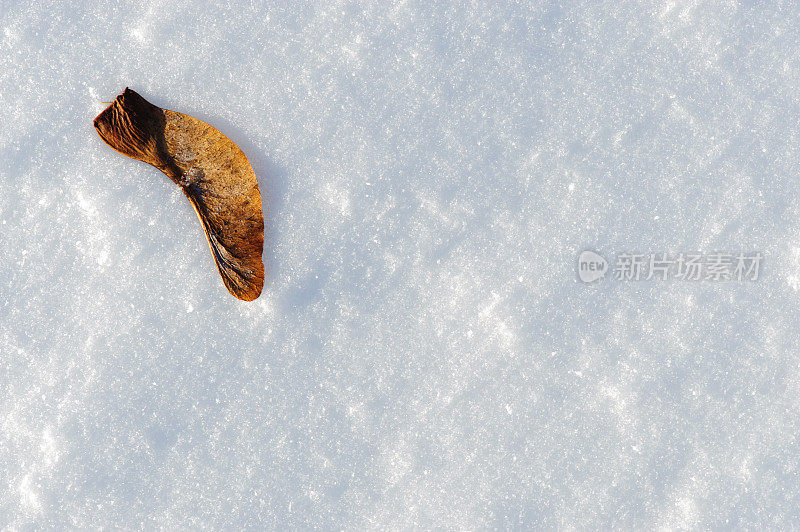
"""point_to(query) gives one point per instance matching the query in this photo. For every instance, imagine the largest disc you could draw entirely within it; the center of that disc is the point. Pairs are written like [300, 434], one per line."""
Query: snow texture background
[423, 353]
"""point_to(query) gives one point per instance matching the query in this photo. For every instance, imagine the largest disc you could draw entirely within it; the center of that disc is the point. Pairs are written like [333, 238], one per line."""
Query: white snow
[423, 354]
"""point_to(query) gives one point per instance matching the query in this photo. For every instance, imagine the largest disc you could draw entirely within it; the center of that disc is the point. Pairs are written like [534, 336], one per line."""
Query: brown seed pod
[210, 169]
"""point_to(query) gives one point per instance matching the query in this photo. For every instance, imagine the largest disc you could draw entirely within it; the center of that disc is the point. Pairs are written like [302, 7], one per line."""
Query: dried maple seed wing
[210, 169]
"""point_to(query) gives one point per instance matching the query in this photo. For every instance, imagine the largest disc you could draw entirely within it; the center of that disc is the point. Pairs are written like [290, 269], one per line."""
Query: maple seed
[210, 169]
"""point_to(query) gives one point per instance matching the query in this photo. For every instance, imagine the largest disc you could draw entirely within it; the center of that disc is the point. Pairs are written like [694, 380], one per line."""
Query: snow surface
[423, 353]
